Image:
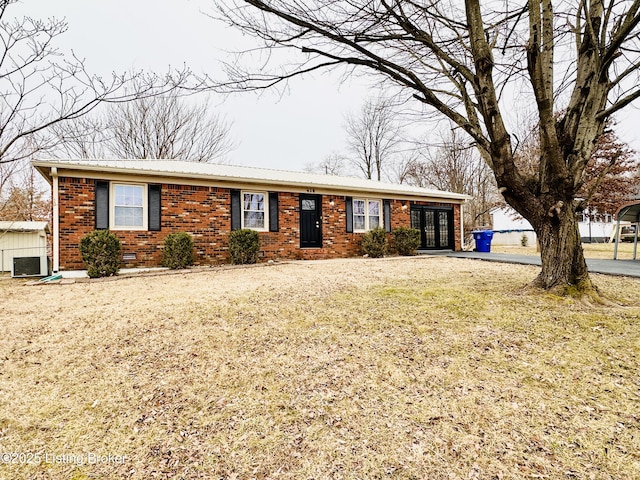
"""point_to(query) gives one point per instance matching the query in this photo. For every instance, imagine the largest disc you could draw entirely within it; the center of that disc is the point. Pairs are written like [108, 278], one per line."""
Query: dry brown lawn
[418, 368]
[591, 250]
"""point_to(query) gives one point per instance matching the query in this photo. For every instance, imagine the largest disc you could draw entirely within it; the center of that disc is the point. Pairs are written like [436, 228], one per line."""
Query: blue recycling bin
[483, 240]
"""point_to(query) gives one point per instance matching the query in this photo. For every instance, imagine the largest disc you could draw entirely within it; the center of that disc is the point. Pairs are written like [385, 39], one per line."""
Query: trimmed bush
[100, 251]
[178, 250]
[406, 240]
[244, 246]
[374, 243]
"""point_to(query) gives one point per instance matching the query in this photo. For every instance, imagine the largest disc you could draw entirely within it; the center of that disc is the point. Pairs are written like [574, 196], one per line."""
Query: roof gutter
[42, 167]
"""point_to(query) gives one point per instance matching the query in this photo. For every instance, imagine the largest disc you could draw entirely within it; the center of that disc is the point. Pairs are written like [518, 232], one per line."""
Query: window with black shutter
[102, 205]
[387, 215]
[236, 210]
[155, 210]
[273, 212]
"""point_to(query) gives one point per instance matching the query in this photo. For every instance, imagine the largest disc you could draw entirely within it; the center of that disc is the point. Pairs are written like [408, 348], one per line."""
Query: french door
[435, 225]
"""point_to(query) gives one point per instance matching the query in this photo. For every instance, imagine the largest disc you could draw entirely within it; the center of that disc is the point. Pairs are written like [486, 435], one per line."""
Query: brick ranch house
[299, 215]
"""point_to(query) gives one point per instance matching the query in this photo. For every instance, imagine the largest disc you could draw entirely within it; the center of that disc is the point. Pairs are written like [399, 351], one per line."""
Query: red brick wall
[76, 202]
[205, 213]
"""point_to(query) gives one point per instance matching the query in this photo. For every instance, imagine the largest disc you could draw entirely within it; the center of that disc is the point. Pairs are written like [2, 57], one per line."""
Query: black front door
[310, 221]
[435, 225]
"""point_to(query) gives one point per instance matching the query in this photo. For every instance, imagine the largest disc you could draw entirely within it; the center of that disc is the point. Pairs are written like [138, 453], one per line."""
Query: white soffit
[231, 173]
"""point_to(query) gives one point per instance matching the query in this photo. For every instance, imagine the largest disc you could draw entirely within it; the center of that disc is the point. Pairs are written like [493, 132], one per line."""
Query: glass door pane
[443, 223]
[415, 219]
[430, 228]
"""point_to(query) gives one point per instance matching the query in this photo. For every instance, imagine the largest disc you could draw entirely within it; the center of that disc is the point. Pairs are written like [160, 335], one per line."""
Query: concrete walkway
[627, 268]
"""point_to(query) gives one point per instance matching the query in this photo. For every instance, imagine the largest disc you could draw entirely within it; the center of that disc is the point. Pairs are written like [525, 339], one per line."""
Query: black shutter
[273, 211]
[387, 215]
[154, 207]
[349, 210]
[236, 210]
[102, 205]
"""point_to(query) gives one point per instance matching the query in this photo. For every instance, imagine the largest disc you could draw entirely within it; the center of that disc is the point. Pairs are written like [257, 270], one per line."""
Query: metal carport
[628, 213]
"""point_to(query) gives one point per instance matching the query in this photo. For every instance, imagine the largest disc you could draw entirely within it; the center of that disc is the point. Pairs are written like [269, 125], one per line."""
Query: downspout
[462, 226]
[56, 220]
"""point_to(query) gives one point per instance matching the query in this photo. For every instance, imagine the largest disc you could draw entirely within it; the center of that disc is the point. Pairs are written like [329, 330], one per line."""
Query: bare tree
[458, 58]
[403, 169]
[454, 165]
[332, 164]
[41, 87]
[163, 126]
[27, 198]
[7, 172]
[372, 137]
[167, 127]
[82, 137]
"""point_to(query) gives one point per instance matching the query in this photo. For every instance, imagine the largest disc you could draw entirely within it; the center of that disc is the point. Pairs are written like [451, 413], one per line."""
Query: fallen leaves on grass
[403, 368]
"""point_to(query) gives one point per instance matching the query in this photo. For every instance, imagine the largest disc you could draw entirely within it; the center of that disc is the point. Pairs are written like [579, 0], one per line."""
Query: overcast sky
[303, 126]
[273, 131]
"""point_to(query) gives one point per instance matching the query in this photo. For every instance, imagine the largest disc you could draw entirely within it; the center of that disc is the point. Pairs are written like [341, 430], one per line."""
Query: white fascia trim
[431, 195]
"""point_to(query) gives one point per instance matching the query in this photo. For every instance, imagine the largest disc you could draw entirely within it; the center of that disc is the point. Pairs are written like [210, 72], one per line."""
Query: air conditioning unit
[28, 267]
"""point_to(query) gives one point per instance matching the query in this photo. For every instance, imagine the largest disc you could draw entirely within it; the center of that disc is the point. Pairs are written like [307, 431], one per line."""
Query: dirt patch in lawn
[397, 368]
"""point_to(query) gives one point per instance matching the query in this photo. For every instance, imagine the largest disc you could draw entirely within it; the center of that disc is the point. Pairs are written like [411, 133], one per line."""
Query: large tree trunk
[563, 264]
[564, 269]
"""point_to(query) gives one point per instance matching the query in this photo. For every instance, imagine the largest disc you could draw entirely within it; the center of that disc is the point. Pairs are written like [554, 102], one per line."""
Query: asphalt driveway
[628, 268]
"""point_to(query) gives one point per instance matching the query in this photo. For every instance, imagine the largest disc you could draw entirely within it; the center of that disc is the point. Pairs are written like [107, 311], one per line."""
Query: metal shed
[23, 248]
[628, 213]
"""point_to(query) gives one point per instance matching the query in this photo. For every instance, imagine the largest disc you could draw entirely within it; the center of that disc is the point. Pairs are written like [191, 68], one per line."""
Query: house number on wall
[311, 190]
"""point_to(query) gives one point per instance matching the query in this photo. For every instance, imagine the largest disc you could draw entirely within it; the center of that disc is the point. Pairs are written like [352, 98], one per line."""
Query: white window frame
[366, 201]
[265, 196]
[112, 207]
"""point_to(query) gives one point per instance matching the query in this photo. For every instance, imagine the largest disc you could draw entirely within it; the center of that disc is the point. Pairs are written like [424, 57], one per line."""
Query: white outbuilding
[23, 248]
[509, 228]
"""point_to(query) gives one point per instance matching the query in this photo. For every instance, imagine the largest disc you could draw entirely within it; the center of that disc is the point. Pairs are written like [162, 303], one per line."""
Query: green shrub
[406, 240]
[178, 250]
[524, 240]
[100, 251]
[374, 243]
[244, 246]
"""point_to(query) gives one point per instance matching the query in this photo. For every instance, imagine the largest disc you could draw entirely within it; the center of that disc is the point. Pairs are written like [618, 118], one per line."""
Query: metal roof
[9, 226]
[244, 175]
[629, 213]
